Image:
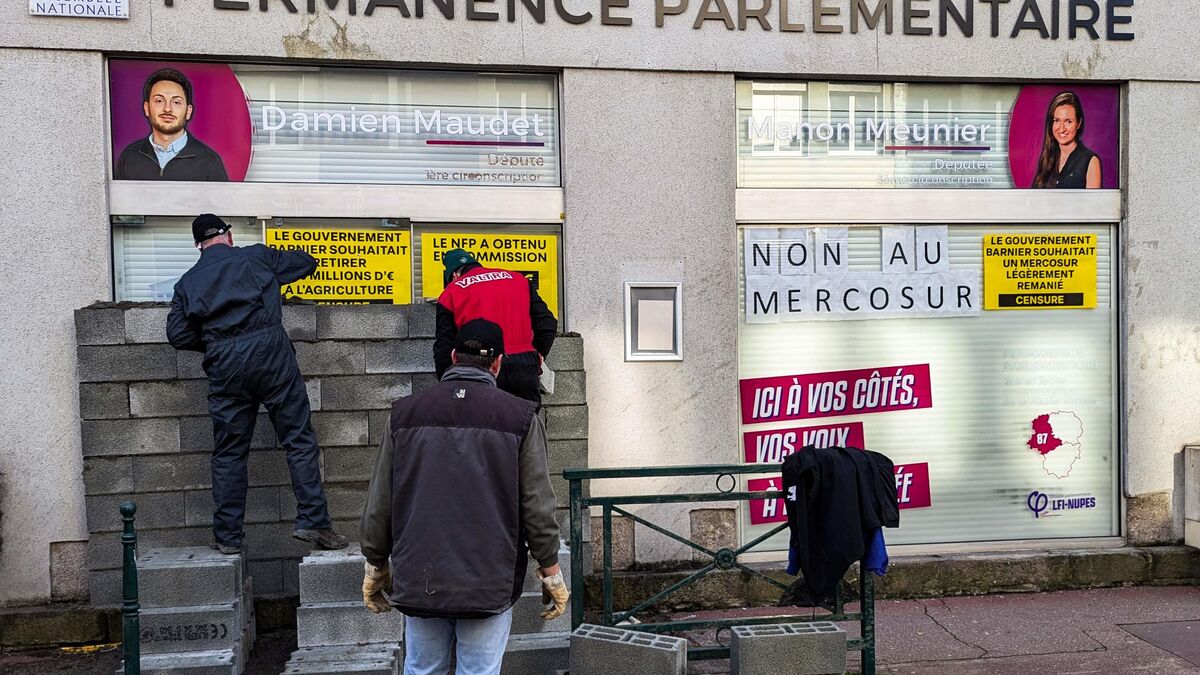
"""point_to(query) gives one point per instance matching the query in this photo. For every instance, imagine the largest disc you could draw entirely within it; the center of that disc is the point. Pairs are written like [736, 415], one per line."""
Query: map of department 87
[1056, 436]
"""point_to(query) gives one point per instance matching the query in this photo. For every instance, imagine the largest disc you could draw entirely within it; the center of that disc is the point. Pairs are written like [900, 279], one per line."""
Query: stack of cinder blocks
[147, 436]
[335, 632]
[197, 612]
[603, 650]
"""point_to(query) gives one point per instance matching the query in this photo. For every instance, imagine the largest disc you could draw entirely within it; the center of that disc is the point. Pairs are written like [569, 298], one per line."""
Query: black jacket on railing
[836, 498]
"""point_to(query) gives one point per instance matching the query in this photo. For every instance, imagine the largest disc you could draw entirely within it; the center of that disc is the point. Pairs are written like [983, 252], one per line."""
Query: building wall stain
[1082, 69]
[311, 42]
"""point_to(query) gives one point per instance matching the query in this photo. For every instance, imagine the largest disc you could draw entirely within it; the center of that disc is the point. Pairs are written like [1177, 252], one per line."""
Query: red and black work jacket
[505, 298]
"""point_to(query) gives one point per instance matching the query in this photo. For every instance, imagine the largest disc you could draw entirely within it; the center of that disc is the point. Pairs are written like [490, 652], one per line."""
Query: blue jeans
[481, 642]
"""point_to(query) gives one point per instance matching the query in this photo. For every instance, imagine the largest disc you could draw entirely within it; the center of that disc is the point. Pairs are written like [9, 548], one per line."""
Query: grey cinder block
[104, 587]
[146, 324]
[190, 365]
[362, 322]
[377, 423]
[566, 422]
[103, 400]
[812, 648]
[541, 654]
[190, 629]
[400, 356]
[345, 623]
[422, 320]
[189, 576]
[339, 429]
[348, 464]
[107, 475]
[346, 501]
[300, 321]
[423, 381]
[155, 510]
[99, 326]
[570, 388]
[566, 354]
[130, 437]
[330, 358]
[223, 662]
[526, 617]
[332, 576]
[601, 650]
[172, 472]
[167, 399]
[124, 363]
[363, 392]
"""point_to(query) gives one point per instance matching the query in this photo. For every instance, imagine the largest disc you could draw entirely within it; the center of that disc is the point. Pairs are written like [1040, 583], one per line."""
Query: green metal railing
[722, 559]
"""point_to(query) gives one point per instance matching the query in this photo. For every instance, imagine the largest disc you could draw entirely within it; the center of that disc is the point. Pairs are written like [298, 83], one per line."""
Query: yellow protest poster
[353, 266]
[1039, 271]
[533, 255]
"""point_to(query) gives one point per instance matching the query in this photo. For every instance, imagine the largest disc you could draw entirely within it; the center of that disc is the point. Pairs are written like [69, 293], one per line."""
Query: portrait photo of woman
[1065, 162]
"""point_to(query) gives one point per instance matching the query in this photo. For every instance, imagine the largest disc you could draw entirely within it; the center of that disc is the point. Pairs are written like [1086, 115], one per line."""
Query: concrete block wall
[147, 436]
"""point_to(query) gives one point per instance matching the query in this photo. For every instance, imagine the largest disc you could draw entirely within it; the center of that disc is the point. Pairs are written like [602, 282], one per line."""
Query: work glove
[377, 581]
[554, 590]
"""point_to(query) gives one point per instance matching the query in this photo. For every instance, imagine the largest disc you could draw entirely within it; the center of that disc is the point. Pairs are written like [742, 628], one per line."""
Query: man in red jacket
[508, 300]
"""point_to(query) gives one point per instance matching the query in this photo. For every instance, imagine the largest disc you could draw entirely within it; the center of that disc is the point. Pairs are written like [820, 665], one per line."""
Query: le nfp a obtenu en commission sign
[353, 266]
[1039, 271]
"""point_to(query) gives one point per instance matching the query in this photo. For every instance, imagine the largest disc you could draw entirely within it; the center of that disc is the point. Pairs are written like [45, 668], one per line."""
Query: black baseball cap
[207, 226]
[483, 332]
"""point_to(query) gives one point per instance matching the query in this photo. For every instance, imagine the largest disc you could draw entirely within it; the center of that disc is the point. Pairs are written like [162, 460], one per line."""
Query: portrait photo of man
[169, 152]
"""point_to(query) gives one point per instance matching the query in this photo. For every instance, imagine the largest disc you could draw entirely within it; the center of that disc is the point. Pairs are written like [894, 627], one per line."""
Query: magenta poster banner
[218, 129]
[921, 135]
[1083, 119]
[270, 123]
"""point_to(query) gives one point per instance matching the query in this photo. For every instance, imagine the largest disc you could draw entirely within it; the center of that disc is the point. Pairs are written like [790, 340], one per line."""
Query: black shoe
[225, 549]
[324, 538]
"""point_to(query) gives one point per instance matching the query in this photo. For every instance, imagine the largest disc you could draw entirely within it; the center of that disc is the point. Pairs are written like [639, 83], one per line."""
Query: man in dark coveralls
[228, 307]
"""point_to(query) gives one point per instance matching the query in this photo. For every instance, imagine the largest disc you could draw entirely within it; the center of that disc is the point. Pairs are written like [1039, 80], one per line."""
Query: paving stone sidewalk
[1121, 630]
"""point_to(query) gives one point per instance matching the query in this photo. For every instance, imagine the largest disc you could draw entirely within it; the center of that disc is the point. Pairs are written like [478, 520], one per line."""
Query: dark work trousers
[519, 376]
[260, 367]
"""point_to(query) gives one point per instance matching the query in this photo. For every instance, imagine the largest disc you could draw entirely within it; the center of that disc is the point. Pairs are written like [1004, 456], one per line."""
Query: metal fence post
[578, 590]
[131, 633]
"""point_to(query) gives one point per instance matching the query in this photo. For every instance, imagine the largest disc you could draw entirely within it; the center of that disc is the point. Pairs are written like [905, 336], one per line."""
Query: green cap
[454, 259]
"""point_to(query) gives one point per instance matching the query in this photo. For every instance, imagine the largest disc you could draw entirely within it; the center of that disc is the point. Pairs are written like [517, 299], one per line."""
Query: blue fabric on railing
[876, 558]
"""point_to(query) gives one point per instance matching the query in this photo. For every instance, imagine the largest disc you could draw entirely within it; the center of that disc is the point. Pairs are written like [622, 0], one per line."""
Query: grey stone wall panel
[362, 322]
[400, 356]
[422, 320]
[262, 506]
[568, 422]
[170, 398]
[349, 464]
[146, 324]
[566, 354]
[300, 321]
[330, 358]
[99, 327]
[570, 388]
[107, 475]
[155, 510]
[126, 363]
[185, 471]
[190, 365]
[103, 400]
[130, 437]
[364, 392]
[344, 428]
